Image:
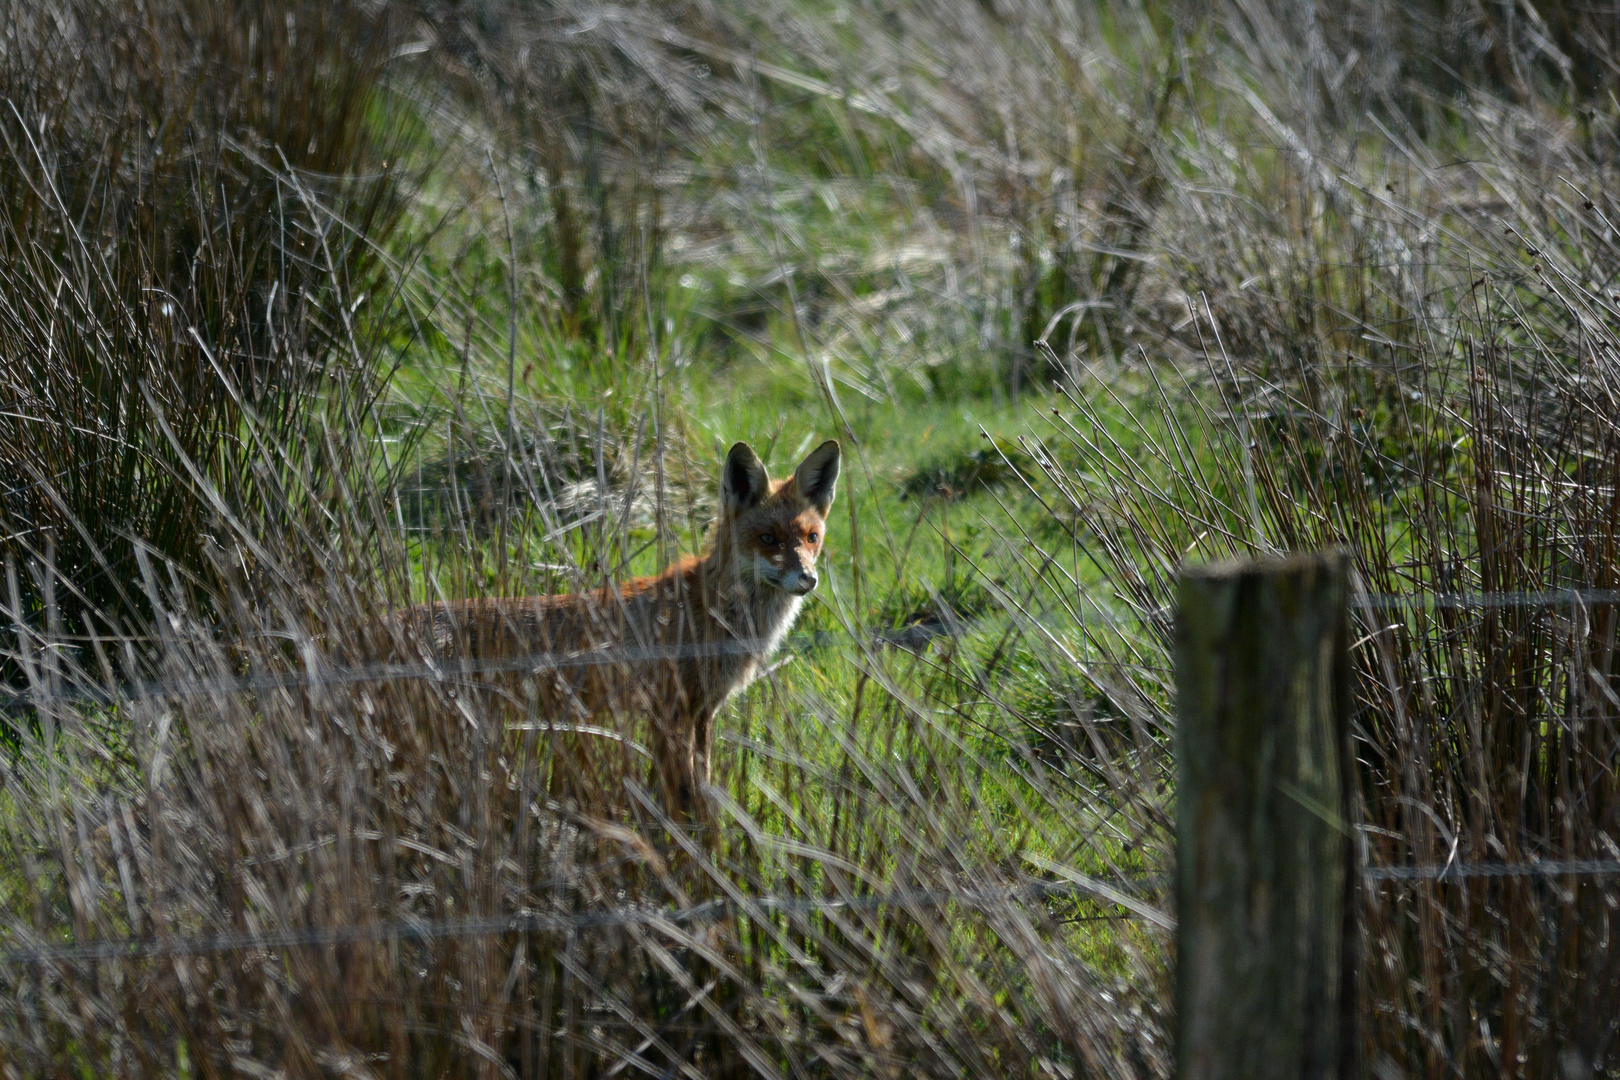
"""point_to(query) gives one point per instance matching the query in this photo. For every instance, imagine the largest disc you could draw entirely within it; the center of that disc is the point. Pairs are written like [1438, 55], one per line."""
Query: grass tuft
[309, 312]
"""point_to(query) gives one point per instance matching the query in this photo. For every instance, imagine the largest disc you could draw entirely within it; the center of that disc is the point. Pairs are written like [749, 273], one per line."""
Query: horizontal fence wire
[913, 636]
[1456, 871]
[332, 675]
[1485, 601]
[133, 948]
[319, 674]
[541, 922]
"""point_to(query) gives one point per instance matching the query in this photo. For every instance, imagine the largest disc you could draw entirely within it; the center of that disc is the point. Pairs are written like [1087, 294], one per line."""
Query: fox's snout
[798, 582]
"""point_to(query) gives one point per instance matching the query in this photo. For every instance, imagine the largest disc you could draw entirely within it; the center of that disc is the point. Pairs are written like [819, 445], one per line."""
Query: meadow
[312, 311]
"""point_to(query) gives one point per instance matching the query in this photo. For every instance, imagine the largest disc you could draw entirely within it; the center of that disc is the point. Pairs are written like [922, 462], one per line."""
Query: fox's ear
[743, 480]
[817, 477]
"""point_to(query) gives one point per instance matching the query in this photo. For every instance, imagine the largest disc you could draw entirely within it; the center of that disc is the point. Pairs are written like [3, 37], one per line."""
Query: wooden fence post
[1265, 984]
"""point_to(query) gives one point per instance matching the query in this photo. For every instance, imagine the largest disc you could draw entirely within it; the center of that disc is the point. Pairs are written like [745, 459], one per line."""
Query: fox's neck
[744, 606]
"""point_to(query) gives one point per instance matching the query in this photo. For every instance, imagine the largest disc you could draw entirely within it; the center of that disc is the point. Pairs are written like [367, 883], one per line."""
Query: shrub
[195, 199]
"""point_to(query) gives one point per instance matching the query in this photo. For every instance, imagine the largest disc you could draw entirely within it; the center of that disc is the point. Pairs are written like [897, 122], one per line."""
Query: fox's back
[661, 644]
[644, 612]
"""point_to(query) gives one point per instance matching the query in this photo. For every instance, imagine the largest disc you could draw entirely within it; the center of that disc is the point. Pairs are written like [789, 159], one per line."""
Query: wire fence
[912, 636]
[542, 922]
[1121, 893]
[321, 674]
[1452, 871]
[668, 918]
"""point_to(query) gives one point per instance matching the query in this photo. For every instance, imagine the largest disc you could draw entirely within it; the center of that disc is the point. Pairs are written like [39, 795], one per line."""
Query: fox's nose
[802, 582]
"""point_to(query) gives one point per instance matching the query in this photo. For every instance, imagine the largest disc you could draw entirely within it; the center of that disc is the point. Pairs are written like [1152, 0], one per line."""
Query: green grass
[596, 287]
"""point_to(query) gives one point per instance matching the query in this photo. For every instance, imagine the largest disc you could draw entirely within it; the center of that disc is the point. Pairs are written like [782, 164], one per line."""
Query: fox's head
[774, 531]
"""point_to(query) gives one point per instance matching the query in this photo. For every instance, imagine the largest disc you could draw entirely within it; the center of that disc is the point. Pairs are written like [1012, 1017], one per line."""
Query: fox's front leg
[682, 766]
[689, 762]
[702, 745]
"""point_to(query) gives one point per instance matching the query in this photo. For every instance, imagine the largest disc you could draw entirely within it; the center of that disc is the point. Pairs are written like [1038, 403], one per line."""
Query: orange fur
[672, 647]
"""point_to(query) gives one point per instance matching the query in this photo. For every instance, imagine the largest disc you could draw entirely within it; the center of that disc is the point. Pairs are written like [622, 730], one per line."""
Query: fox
[672, 647]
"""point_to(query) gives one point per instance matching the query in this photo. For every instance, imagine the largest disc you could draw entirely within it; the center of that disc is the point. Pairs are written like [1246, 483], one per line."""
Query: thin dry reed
[1303, 281]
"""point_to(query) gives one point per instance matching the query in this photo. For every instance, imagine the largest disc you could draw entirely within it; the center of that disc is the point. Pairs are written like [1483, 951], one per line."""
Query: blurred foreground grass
[1086, 291]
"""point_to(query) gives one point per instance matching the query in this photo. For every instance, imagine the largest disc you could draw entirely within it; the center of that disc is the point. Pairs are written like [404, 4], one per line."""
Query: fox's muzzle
[798, 582]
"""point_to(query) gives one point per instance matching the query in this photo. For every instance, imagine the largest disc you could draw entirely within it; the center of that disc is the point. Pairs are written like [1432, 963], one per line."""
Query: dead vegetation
[1298, 283]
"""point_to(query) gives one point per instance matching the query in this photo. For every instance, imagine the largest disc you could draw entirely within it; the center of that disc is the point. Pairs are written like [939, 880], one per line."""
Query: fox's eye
[767, 539]
[813, 537]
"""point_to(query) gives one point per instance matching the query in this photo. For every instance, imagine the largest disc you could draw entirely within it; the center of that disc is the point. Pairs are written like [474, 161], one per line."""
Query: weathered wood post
[1266, 936]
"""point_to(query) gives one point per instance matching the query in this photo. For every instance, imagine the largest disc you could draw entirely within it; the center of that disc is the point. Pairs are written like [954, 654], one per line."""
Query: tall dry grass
[600, 111]
[196, 199]
[1422, 372]
[299, 863]
[424, 905]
